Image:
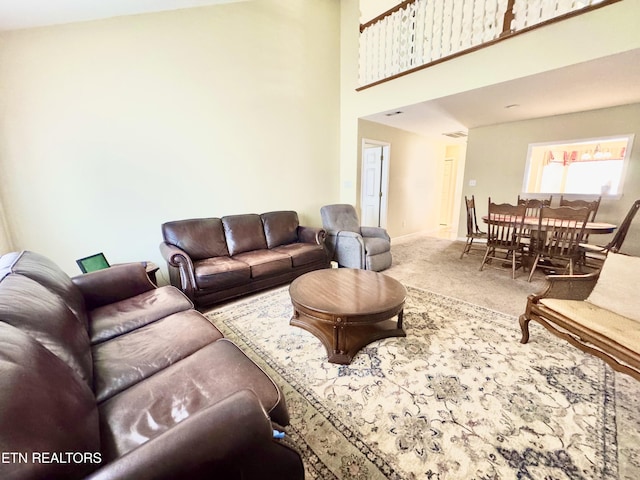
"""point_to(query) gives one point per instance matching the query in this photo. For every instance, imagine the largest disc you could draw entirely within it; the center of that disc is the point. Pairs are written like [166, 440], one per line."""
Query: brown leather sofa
[105, 376]
[215, 259]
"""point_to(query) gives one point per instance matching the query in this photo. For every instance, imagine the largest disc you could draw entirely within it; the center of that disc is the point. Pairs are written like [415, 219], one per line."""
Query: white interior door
[375, 160]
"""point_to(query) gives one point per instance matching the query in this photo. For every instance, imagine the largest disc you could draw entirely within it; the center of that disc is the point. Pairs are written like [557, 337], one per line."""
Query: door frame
[384, 182]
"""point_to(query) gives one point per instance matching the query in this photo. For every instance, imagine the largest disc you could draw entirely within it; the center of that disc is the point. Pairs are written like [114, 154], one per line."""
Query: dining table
[532, 223]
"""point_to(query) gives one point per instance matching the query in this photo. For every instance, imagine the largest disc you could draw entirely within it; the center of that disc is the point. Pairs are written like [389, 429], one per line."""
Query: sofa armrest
[113, 284]
[375, 232]
[312, 235]
[178, 258]
[204, 445]
[568, 287]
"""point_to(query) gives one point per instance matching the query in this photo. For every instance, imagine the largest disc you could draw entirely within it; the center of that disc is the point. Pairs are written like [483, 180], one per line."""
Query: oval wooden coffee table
[347, 309]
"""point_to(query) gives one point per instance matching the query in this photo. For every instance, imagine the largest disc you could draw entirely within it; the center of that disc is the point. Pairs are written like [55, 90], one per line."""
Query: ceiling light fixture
[512, 105]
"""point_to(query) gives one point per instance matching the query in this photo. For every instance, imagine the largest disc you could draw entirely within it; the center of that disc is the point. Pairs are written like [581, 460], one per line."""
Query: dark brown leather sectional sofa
[105, 376]
[215, 259]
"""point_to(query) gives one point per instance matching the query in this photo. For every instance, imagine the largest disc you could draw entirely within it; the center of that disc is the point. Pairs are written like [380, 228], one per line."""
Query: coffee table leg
[336, 336]
[400, 316]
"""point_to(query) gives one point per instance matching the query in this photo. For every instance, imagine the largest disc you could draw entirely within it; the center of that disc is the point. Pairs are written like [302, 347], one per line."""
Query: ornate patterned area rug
[458, 398]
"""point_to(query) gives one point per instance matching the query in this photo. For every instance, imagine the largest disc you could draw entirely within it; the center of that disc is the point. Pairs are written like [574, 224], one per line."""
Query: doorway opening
[375, 183]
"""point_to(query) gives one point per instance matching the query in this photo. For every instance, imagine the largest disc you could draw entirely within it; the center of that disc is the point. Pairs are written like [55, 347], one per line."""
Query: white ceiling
[606, 82]
[17, 14]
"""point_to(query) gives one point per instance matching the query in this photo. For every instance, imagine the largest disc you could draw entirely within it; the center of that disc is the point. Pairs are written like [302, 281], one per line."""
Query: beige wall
[110, 128]
[496, 158]
[414, 178]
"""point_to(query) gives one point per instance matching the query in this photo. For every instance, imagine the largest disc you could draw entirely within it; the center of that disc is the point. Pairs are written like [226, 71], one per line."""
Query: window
[588, 167]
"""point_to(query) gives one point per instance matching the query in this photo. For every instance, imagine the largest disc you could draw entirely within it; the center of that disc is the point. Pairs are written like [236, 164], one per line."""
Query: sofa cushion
[199, 237]
[303, 253]
[587, 317]
[44, 408]
[153, 406]
[617, 286]
[45, 272]
[280, 228]
[132, 357]
[41, 313]
[265, 262]
[120, 317]
[244, 233]
[221, 273]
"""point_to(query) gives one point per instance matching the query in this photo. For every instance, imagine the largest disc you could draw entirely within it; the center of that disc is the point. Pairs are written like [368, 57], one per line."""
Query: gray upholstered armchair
[350, 244]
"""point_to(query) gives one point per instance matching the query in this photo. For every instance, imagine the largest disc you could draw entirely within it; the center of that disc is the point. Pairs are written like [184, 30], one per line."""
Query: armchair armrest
[113, 284]
[178, 258]
[568, 287]
[375, 232]
[204, 445]
[565, 287]
[312, 235]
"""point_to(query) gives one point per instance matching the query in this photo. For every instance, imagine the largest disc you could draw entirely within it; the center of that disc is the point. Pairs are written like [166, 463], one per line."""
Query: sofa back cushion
[244, 233]
[42, 314]
[44, 409]
[199, 237]
[617, 287]
[48, 274]
[280, 228]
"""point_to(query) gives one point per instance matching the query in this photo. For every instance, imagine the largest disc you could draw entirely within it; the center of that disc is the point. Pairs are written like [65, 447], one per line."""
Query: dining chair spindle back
[473, 231]
[594, 255]
[558, 236]
[504, 234]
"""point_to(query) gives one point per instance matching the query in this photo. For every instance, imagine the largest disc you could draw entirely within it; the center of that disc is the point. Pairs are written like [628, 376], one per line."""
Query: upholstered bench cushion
[132, 357]
[589, 318]
[155, 405]
[617, 286]
[127, 315]
[221, 273]
[265, 262]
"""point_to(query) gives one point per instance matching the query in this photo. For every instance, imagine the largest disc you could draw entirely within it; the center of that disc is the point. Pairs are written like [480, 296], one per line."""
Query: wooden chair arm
[568, 287]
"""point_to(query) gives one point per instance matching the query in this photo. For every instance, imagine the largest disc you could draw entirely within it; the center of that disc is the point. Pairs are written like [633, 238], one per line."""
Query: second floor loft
[416, 34]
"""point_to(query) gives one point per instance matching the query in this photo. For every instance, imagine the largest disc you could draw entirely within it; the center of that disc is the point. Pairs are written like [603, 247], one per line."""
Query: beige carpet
[434, 264]
[459, 397]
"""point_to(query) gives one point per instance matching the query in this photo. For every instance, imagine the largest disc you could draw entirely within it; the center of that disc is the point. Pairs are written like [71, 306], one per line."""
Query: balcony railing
[420, 33]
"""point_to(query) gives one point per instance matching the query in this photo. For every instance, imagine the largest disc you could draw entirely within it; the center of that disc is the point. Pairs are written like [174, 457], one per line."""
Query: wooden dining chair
[473, 231]
[557, 238]
[592, 205]
[504, 235]
[594, 255]
[533, 206]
